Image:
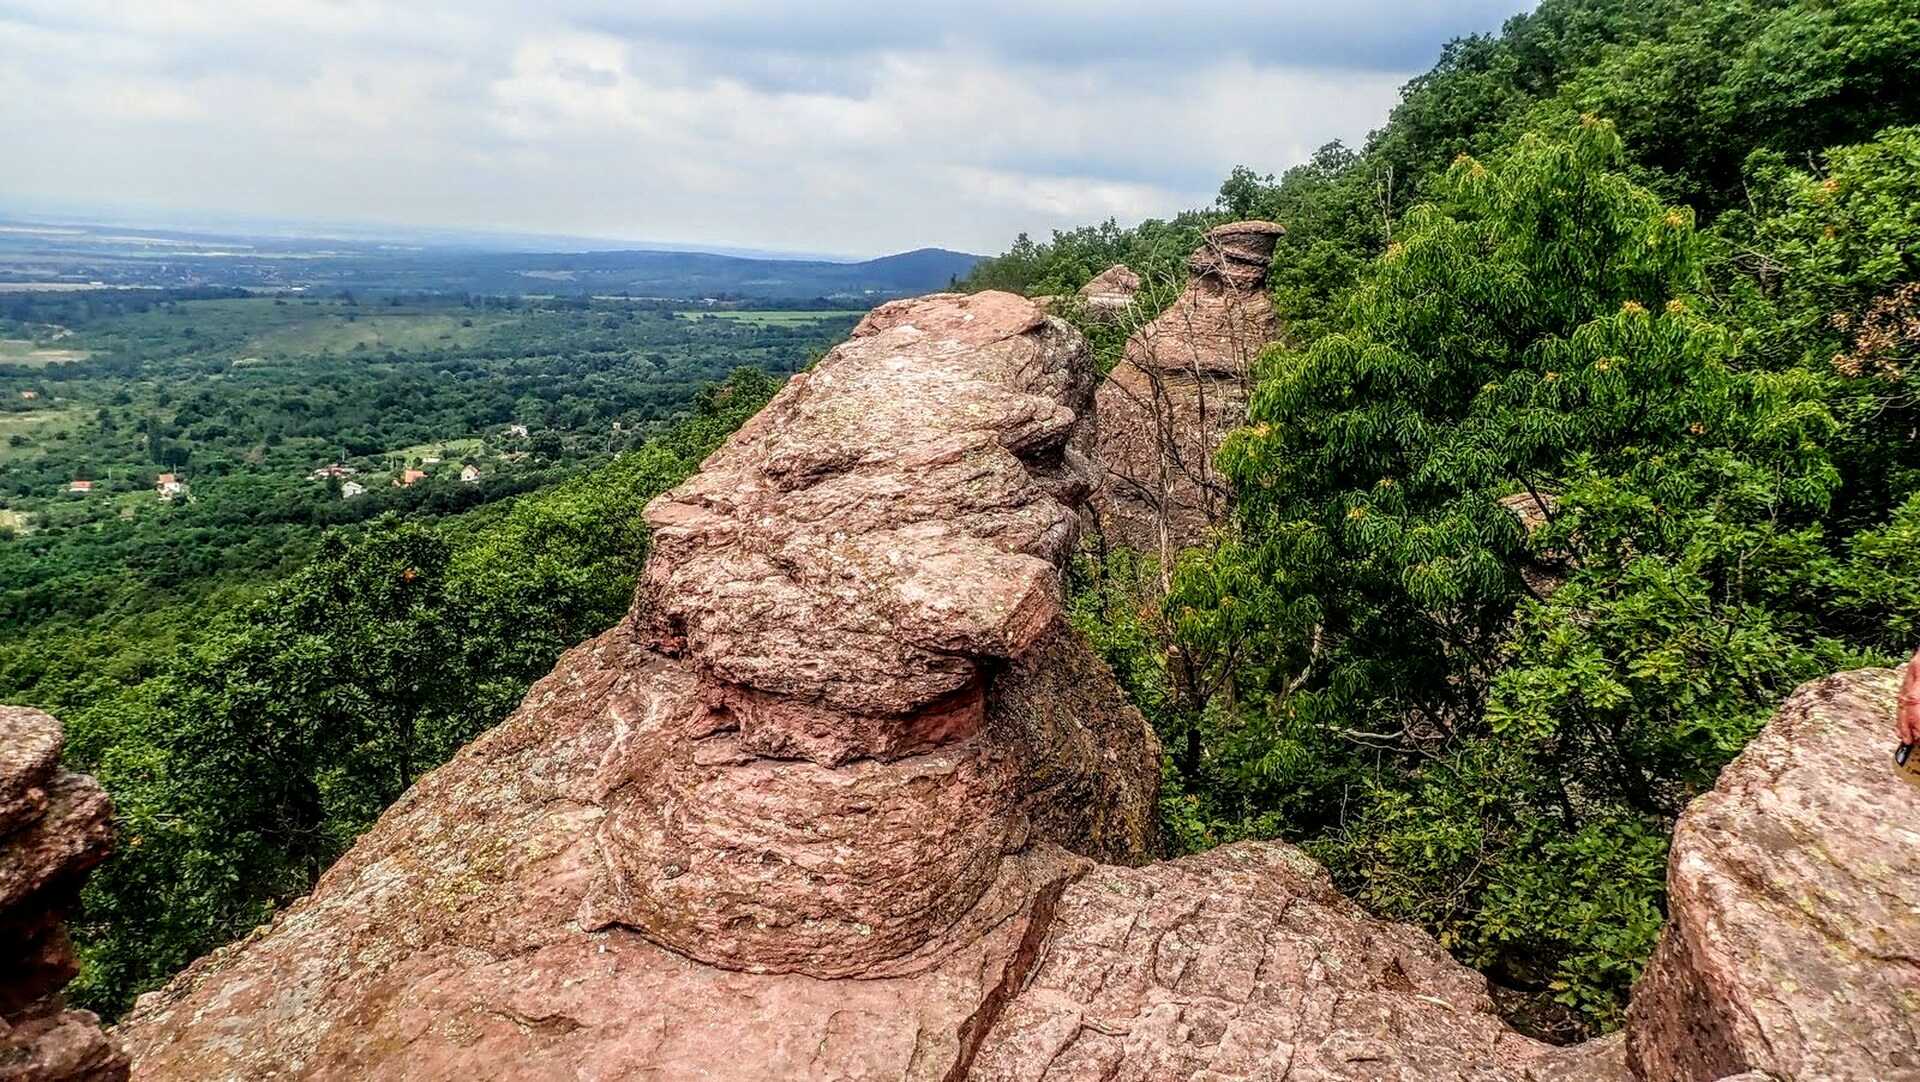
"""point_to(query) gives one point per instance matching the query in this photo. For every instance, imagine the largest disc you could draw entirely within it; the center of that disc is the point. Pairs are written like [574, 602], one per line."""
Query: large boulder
[801, 815]
[1792, 944]
[1108, 295]
[1182, 386]
[54, 827]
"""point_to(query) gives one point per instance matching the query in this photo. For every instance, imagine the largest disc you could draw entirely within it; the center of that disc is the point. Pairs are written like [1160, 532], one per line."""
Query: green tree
[1532, 339]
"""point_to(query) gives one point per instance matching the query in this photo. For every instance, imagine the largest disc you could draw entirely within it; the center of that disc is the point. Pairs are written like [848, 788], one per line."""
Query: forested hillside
[1648, 271]
[391, 516]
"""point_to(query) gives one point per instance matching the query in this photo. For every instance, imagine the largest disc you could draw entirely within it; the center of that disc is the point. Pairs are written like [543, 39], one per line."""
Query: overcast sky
[824, 126]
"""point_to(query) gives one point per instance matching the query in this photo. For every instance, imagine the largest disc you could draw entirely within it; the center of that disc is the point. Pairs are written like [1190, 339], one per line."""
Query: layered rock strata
[54, 827]
[1182, 386]
[1108, 295]
[799, 816]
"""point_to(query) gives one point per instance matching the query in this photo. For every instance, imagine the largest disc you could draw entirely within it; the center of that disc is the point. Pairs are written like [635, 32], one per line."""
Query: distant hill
[76, 255]
[699, 274]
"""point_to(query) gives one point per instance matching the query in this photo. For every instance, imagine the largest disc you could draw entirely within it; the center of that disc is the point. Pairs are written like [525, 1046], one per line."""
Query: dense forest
[282, 417]
[1651, 268]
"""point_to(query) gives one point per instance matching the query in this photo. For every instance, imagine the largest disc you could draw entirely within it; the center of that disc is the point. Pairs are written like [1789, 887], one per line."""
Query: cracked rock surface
[1792, 945]
[54, 827]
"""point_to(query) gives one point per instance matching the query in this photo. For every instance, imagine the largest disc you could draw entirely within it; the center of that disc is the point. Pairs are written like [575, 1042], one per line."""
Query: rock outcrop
[1792, 946]
[800, 816]
[1241, 963]
[844, 799]
[1107, 295]
[1182, 386]
[54, 827]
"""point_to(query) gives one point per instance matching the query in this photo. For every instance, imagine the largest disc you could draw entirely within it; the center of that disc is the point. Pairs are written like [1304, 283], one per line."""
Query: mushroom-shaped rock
[801, 816]
[1107, 295]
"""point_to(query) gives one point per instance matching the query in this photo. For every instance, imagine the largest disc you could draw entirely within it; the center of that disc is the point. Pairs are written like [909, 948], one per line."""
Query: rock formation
[843, 799]
[54, 827]
[799, 816]
[1241, 963]
[1182, 386]
[1107, 295]
[1792, 945]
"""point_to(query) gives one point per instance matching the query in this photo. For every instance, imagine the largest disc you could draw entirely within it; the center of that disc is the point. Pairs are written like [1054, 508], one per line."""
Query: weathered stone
[1181, 387]
[1108, 295]
[1603, 1059]
[1241, 963]
[1543, 572]
[892, 518]
[64, 1046]
[1794, 906]
[29, 753]
[73, 834]
[54, 827]
[1084, 754]
[815, 795]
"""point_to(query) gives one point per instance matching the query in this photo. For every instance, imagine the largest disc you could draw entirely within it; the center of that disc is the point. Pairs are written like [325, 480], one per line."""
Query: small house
[409, 476]
[169, 486]
[29, 395]
[332, 469]
[80, 486]
[469, 474]
[517, 431]
[351, 489]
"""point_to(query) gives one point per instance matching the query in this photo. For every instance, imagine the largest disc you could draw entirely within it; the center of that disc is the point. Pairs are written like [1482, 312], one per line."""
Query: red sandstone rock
[802, 816]
[1241, 963]
[54, 827]
[892, 517]
[1107, 295]
[1792, 945]
[29, 755]
[1182, 386]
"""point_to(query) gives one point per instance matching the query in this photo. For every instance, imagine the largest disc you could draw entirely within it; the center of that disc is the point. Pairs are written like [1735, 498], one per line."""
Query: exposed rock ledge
[54, 827]
[1793, 944]
[845, 799]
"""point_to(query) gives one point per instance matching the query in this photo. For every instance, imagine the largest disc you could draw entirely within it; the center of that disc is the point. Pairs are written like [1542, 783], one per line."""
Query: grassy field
[794, 318]
[345, 330]
[22, 352]
[36, 425]
[445, 450]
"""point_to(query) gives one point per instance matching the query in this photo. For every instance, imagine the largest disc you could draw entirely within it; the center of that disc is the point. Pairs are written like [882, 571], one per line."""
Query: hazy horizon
[745, 126]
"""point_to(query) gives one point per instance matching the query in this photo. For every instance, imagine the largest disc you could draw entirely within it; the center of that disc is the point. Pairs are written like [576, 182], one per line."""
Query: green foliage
[245, 767]
[1154, 249]
[1486, 726]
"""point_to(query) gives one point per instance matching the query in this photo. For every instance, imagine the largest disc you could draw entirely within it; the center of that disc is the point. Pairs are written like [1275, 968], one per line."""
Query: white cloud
[653, 125]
